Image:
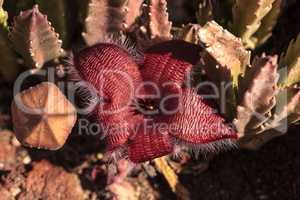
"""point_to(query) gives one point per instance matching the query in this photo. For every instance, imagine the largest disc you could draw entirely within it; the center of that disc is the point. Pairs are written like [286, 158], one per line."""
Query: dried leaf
[159, 24]
[56, 11]
[267, 24]
[163, 167]
[205, 11]
[257, 95]
[247, 18]
[290, 64]
[43, 117]
[35, 39]
[106, 17]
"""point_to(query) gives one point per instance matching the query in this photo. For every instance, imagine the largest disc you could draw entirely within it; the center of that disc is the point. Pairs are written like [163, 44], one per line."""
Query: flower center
[147, 107]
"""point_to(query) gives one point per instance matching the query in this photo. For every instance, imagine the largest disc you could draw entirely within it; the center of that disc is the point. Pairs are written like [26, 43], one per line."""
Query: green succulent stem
[3, 17]
[290, 64]
[247, 18]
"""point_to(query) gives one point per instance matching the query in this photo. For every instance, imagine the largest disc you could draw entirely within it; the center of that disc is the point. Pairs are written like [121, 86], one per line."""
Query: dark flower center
[147, 107]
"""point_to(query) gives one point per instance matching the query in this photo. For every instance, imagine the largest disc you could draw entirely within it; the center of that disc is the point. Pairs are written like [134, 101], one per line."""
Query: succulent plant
[41, 44]
[261, 95]
[253, 21]
[114, 16]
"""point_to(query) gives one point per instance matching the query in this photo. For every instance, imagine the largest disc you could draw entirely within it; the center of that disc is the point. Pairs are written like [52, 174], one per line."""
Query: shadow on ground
[270, 173]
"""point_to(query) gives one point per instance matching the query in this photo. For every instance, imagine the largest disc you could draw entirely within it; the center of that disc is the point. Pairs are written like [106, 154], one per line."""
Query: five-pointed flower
[147, 110]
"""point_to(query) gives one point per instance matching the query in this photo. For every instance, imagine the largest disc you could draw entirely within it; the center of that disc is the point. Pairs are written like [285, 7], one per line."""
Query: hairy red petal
[196, 122]
[149, 143]
[114, 75]
[170, 62]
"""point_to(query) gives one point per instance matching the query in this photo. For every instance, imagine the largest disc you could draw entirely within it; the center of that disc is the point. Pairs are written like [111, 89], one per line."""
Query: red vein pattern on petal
[115, 76]
[170, 61]
[149, 143]
[196, 122]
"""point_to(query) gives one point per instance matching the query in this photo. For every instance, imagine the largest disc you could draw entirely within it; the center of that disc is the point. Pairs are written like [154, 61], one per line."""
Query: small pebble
[15, 191]
[263, 197]
[15, 142]
[27, 160]
[100, 156]
[1, 165]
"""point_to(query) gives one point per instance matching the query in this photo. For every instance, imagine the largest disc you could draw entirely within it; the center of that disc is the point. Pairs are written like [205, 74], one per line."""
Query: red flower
[147, 110]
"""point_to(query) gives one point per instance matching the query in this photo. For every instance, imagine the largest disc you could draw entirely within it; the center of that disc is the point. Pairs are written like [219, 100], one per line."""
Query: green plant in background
[105, 17]
[290, 61]
[3, 15]
[35, 39]
[38, 39]
[259, 111]
[254, 20]
[8, 59]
